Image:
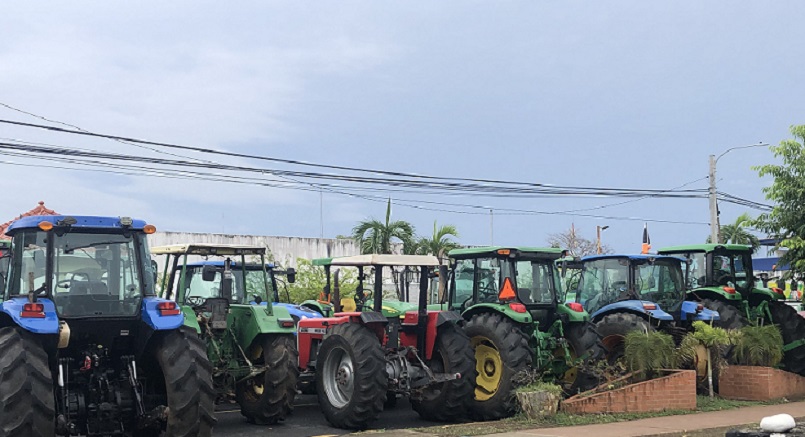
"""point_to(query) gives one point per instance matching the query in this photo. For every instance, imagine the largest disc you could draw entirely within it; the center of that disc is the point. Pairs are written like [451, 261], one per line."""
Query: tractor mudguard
[249, 321]
[633, 306]
[690, 308]
[155, 320]
[766, 294]
[190, 319]
[298, 311]
[497, 308]
[372, 317]
[322, 308]
[715, 293]
[49, 324]
[446, 316]
[574, 312]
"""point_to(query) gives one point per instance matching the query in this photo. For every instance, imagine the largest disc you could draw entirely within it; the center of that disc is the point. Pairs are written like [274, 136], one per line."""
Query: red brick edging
[676, 391]
[755, 383]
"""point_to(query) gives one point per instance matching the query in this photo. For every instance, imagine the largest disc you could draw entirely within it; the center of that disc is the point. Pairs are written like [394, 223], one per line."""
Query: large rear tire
[584, 341]
[351, 376]
[268, 398]
[792, 326]
[182, 357]
[729, 316]
[27, 404]
[613, 329]
[501, 352]
[449, 401]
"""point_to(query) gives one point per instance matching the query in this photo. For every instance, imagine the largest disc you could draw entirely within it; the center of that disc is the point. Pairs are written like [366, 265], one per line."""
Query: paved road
[307, 421]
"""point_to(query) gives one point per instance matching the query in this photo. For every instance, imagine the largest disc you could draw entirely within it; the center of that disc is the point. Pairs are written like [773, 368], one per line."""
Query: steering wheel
[723, 278]
[64, 283]
[195, 301]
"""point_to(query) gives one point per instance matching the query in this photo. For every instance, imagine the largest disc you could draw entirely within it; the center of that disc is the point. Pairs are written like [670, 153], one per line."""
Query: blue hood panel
[634, 306]
[706, 315]
[47, 325]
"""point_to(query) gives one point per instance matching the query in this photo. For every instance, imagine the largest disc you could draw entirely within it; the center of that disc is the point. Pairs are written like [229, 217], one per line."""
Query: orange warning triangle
[507, 291]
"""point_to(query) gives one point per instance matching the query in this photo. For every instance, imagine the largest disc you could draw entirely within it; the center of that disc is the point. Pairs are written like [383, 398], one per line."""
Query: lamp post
[714, 225]
[598, 230]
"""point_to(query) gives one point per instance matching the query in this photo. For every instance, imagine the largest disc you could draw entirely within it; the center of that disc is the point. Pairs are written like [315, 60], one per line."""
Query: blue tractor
[623, 293]
[88, 347]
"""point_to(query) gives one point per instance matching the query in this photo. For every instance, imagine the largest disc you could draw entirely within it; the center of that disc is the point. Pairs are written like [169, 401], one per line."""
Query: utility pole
[321, 214]
[491, 227]
[598, 230]
[713, 203]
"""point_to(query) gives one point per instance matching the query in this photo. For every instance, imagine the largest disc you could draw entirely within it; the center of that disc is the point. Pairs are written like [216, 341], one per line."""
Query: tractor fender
[632, 306]
[714, 293]
[758, 294]
[151, 316]
[298, 312]
[249, 321]
[321, 308]
[504, 309]
[690, 308]
[37, 325]
[445, 316]
[190, 319]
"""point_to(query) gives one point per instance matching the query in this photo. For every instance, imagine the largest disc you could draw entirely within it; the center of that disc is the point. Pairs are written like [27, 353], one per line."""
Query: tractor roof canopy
[204, 249]
[378, 260]
[640, 257]
[235, 264]
[89, 222]
[705, 248]
[473, 252]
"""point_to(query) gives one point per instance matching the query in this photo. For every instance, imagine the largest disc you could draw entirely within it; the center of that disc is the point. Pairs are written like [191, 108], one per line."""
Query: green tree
[310, 282]
[375, 236]
[439, 243]
[736, 232]
[787, 192]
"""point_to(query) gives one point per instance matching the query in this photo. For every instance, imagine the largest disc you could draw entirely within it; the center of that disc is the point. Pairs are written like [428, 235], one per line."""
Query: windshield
[696, 275]
[198, 290]
[732, 270]
[660, 281]
[92, 275]
[606, 281]
[603, 282]
[537, 281]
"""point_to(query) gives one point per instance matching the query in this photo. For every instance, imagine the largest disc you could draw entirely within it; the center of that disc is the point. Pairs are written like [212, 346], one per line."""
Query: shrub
[649, 352]
[759, 346]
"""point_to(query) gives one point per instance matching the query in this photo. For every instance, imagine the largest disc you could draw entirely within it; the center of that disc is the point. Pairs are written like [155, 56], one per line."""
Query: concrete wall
[285, 250]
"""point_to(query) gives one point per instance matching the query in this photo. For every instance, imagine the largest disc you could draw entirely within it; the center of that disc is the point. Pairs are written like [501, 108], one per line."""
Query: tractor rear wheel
[613, 329]
[450, 400]
[26, 387]
[351, 377]
[182, 358]
[268, 397]
[501, 352]
[792, 326]
[583, 341]
[729, 317]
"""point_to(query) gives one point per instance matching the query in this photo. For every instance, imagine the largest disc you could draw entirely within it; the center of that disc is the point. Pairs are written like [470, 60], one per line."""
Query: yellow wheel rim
[256, 382]
[489, 367]
[700, 362]
[570, 375]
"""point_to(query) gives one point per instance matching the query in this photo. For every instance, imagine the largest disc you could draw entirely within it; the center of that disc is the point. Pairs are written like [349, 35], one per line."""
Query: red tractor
[359, 358]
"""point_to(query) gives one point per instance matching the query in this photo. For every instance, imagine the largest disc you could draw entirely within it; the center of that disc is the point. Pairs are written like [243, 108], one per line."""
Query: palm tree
[440, 243]
[736, 233]
[374, 236]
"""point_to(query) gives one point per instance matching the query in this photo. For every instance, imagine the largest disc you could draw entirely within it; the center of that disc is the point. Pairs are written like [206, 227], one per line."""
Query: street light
[714, 225]
[598, 230]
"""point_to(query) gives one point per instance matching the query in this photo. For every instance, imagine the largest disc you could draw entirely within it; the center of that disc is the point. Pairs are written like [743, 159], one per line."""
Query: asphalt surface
[308, 421]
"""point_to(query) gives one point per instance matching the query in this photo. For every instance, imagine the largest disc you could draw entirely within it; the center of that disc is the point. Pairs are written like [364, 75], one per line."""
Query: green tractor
[252, 347]
[720, 276]
[331, 301]
[512, 302]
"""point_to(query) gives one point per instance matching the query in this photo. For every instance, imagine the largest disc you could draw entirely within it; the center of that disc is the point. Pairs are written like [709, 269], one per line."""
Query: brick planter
[753, 383]
[675, 391]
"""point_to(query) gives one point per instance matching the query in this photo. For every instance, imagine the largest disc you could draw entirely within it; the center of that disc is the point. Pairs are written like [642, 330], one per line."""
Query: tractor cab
[524, 280]
[722, 271]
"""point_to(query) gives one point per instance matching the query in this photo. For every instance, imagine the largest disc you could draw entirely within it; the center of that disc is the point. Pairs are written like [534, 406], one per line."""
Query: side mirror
[154, 270]
[208, 273]
[290, 273]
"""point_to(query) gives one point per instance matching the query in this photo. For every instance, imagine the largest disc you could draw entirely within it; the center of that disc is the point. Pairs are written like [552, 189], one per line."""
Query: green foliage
[759, 346]
[375, 236]
[649, 352]
[735, 232]
[787, 192]
[531, 379]
[310, 282]
[706, 335]
[438, 244]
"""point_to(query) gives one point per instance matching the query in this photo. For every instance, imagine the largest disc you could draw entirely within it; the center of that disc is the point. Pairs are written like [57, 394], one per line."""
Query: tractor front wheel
[587, 348]
[26, 387]
[268, 397]
[792, 327]
[501, 352]
[613, 329]
[729, 317]
[449, 401]
[182, 358]
[351, 377]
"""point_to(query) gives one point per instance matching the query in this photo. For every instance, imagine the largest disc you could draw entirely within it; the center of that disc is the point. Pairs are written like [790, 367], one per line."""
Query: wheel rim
[489, 366]
[570, 375]
[256, 383]
[339, 377]
[614, 346]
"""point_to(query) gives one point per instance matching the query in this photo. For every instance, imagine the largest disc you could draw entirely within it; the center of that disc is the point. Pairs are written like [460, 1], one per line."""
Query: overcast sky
[607, 94]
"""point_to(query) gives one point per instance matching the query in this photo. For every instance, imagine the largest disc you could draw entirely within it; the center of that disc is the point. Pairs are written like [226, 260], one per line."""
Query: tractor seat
[348, 305]
[88, 298]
